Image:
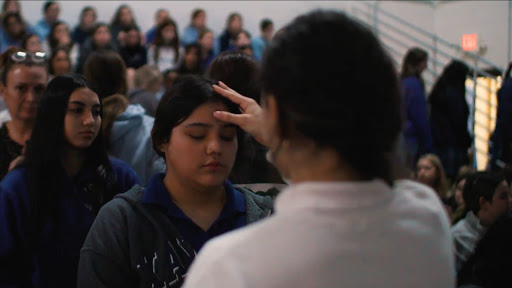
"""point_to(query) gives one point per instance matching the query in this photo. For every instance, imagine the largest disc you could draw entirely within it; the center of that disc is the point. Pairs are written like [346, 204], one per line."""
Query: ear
[483, 204]
[273, 110]
[163, 147]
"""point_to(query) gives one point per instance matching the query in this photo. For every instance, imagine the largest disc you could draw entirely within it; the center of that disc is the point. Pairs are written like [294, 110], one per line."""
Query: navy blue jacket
[417, 128]
[56, 263]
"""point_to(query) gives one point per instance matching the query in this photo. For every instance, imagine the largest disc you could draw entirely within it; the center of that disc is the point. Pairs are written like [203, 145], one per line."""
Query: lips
[87, 133]
[214, 165]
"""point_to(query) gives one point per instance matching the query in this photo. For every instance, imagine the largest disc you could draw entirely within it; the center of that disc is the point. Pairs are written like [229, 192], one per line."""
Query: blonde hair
[441, 184]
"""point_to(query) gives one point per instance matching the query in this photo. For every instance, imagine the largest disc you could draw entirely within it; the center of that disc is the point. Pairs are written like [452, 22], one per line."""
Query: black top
[9, 150]
[134, 57]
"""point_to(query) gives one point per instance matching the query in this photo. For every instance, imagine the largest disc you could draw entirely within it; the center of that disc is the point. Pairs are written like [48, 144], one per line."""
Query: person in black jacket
[228, 37]
[148, 237]
[133, 53]
[449, 117]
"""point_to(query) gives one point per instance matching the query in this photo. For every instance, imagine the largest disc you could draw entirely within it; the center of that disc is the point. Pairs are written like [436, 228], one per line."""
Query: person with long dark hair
[49, 202]
[345, 220]
[60, 37]
[234, 25]
[449, 114]
[123, 18]
[147, 237]
[100, 39]
[166, 52]
[417, 128]
[14, 30]
[84, 28]
[195, 28]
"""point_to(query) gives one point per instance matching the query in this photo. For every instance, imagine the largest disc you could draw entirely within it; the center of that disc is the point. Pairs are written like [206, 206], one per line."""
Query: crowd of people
[127, 159]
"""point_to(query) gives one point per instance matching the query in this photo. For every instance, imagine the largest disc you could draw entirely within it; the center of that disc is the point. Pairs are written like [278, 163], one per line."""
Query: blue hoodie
[130, 141]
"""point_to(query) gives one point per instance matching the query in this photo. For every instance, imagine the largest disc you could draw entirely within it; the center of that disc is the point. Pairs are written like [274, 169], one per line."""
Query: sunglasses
[24, 57]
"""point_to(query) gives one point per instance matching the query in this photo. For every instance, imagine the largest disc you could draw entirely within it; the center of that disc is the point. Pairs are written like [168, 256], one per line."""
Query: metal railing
[398, 34]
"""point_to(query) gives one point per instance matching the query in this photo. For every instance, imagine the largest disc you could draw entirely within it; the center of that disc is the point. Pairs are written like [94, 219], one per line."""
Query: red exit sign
[469, 42]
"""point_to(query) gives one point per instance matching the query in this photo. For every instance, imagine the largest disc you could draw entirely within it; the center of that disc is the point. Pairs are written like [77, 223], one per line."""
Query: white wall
[449, 20]
[488, 19]
[280, 12]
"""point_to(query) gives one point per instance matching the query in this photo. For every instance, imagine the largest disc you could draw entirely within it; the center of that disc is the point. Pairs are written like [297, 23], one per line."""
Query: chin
[212, 181]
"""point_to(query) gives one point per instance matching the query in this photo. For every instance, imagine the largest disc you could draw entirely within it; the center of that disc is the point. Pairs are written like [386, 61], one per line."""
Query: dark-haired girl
[101, 39]
[49, 202]
[344, 220]
[165, 52]
[148, 237]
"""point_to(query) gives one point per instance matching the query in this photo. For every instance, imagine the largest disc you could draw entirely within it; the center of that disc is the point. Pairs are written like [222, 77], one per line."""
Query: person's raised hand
[251, 117]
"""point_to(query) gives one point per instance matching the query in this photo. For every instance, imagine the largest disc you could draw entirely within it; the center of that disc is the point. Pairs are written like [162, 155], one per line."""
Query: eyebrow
[80, 103]
[204, 125]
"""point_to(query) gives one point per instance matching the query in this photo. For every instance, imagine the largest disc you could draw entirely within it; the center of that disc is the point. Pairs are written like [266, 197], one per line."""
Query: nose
[30, 96]
[213, 146]
[87, 119]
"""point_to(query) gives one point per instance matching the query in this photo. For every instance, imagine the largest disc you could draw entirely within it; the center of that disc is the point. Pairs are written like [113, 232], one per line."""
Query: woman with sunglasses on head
[48, 203]
[24, 76]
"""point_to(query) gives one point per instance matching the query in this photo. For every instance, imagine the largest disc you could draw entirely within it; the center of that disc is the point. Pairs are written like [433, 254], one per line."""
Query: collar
[156, 193]
[474, 223]
[333, 195]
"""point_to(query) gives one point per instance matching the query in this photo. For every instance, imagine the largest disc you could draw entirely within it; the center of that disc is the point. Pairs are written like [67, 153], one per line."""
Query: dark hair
[232, 17]
[25, 39]
[47, 5]
[15, 15]
[197, 69]
[159, 39]
[85, 10]
[412, 59]
[54, 55]
[196, 13]
[454, 76]
[243, 32]
[54, 42]
[265, 23]
[185, 96]
[330, 95]
[42, 156]
[204, 32]
[478, 185]
[130, 28]
[7, 63]
[116, 20]
[106, 72]
[6, 2]
[239, 71]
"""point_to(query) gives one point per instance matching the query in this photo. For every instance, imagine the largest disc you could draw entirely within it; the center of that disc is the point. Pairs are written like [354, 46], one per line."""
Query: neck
[20, 131]
[189, 195]
[324, 165]
[72, 160]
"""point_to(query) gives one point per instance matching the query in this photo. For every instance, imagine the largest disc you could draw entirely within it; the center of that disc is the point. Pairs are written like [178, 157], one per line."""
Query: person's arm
[104, 258]
[251, 115]
[418, 115]
[15, 265]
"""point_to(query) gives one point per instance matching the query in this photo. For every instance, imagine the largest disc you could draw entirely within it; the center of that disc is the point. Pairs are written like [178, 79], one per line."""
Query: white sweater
[364, 234]
[166, 58]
